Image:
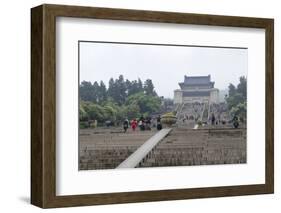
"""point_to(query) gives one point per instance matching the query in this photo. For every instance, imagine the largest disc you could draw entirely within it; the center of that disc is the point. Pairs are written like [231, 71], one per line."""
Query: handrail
[202, 114]
[179, 111]
[209, 110]
[205, 108]
[134, 159]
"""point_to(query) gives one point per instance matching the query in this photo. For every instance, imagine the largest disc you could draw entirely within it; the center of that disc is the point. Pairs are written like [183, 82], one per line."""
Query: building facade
[196, 89]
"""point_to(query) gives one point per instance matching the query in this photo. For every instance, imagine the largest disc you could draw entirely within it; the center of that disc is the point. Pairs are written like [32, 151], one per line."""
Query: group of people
[142, 123]
[221, 112]
[189, 118]
[234, 121]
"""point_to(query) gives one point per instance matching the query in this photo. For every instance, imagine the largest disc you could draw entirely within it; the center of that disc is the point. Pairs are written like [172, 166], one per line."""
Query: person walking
[125, 125]
[141, 123]
[134, 124]
[159, 125]
[148, 123]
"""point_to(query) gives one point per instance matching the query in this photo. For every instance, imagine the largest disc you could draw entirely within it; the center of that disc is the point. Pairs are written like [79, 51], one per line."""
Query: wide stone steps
[107, 148]
[104, 159]
[211, 147]
[182, 147]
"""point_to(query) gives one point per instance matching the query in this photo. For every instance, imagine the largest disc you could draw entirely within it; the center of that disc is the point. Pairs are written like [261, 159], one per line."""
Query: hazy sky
[165, 65]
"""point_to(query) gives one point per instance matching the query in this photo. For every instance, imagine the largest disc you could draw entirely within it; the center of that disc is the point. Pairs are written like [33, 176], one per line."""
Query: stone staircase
[194, 110]
[183, 147]
[107, 148]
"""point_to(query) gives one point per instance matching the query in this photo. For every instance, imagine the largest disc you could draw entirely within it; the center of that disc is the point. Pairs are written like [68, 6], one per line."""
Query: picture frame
[43, 105]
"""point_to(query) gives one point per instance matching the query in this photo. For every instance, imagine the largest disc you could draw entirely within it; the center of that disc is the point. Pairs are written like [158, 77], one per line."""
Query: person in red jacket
[134, 124]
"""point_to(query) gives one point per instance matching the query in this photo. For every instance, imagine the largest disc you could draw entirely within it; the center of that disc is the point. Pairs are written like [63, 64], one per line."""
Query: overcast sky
[165, 65]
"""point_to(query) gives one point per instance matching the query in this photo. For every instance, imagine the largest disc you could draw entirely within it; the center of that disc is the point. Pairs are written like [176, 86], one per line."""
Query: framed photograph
[136, 106]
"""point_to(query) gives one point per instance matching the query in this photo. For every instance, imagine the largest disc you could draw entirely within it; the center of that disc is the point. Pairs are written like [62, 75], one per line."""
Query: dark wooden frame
[43, 105]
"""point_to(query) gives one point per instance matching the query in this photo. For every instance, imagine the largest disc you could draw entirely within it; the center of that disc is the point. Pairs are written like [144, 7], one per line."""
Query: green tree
[86, 91]
[231, 90]
[133, 111]
[242, 87]
[237, 98]
[102, 93]
[128, 86]
[149, 88]
[83, 115]
[139, 85]
[121, 88]
[111, 88]
[234, 100]
[146, 103]
[123, 99]
[95, 92]
[240, 109]
[117, 90]
[96, 112]
[133, 87]
[110, 112]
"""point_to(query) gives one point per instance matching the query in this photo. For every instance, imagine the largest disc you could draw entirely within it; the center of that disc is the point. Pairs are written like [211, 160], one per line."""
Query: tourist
[88, 123]
[148, 123]
[141, 123]
[159, 125]
[134, 124]
[235, 121]
[107, 123]
[154, 122]
[95, 123]
[213, 119]
[125, 125]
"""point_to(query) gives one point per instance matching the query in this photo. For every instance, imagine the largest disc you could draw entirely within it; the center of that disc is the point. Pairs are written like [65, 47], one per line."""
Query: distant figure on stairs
[213, 119]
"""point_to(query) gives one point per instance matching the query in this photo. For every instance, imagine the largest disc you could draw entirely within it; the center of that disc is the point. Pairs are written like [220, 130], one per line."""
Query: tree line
[118, 90]
[122, 99]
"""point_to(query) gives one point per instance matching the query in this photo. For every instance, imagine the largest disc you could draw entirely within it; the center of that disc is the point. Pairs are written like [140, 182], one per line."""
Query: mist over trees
[122, 99]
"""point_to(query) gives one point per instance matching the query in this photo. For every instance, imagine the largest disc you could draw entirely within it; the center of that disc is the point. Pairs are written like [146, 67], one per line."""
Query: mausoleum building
[196, 89]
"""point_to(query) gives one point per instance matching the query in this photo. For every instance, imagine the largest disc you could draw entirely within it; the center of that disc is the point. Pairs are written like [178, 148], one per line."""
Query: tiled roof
[197, 80]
